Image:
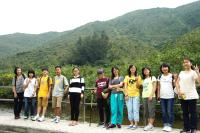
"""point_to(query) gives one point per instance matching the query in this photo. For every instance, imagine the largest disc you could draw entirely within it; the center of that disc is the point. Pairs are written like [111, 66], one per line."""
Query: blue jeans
[133, 107]
[30, 106]
[167, 111]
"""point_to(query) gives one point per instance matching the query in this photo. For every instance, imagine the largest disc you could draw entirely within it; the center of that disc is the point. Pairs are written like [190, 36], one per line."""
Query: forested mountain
[15, 43]
[139, 36]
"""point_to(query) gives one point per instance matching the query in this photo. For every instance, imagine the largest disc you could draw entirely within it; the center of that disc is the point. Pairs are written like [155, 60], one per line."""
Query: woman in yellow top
[132, 83]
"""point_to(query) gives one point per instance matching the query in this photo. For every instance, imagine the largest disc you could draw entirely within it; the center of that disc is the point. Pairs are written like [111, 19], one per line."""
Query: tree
[91, 49]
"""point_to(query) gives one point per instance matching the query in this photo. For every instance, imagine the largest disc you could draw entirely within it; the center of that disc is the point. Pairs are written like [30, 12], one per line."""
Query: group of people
[33, 89]
[112, 93]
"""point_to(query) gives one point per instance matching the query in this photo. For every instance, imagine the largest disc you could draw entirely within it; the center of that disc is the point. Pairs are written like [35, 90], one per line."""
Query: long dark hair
[15, 70]
[112, 74]
[143, 75]
[31, 71]
[129, 72]
[165, 65]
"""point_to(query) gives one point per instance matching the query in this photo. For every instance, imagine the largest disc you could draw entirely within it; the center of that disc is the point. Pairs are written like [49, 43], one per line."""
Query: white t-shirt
[166, 86]
[30, 89]
[187, 84]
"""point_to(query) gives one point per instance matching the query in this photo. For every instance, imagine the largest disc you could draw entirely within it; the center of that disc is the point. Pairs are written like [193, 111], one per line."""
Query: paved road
[7, 122]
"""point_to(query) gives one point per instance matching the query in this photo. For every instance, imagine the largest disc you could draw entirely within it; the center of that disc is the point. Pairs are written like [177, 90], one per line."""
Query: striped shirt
[77, 85]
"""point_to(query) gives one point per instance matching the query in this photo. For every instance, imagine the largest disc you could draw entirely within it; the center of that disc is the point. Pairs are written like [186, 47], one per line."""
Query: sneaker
[57, 120]
[134, 127]
[168, 129]
[165, 128]
[130, 126]
[105, 125]
[119, 125]
[32, 118]
[54, 119]
[25, 117]
[41, 119]
[185, 131]
[17, 117]
[36, 118]
[112, 126]
[100, 124]
[148, 127]
[193, 131]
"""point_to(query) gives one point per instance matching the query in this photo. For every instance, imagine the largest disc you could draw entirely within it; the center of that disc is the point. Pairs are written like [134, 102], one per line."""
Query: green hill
[135, 36]
[15, 43]
[187, 45]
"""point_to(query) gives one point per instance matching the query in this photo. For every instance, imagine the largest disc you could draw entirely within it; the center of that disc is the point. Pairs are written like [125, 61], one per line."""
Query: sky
[39, 16]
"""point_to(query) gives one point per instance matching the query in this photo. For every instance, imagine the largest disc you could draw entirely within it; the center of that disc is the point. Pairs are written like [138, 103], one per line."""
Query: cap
[100, 71]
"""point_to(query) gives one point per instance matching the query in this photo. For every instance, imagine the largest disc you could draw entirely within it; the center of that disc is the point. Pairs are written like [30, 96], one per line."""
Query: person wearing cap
[44, 91]
[102, 93]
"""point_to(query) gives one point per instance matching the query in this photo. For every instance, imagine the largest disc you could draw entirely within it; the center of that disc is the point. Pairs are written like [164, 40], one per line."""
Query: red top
[101, 84]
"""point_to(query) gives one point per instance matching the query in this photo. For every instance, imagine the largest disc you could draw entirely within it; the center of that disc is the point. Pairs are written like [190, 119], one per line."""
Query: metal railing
[84, 103]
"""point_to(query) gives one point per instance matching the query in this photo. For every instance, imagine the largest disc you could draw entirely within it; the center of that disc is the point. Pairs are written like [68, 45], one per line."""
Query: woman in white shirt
[30, 85]
[166, 94]
[187, 92]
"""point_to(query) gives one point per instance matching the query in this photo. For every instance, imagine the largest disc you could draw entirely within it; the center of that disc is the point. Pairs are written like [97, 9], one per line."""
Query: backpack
[48, 81]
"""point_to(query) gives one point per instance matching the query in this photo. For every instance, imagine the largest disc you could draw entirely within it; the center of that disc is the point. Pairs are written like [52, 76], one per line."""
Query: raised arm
[198, 74]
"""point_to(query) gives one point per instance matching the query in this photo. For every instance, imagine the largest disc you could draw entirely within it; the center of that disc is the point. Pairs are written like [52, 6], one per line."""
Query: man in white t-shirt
[60, 85]
[187, 92]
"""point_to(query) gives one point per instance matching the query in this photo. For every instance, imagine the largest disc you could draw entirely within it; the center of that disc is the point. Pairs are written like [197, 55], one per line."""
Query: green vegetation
[134, 35]
[15, 43]
[92, 49]
[143, 38]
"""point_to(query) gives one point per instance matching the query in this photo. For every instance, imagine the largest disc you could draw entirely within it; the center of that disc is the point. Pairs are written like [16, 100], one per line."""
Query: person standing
[30, 86]
[117, 98]
[188, 95]
[18, 91]
[44, 85]
[60, 86]
[148, 95]
[132, 83]
[76, 91]
[102, 100]
[166, 94]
